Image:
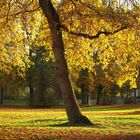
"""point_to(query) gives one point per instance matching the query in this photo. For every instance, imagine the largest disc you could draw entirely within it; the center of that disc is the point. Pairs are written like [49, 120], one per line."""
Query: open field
[110, 122]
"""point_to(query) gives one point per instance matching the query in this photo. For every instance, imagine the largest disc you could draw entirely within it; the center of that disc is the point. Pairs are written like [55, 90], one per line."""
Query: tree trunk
[99, 94]
[31, 88]
[135, 96]
[85, 96]
[98, 99]
[42, 86]
[31, 96]
[72, 109]
[1, 96]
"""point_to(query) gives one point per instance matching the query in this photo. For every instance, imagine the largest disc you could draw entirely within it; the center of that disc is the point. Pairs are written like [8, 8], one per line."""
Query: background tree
[42, 79]
[85, 82]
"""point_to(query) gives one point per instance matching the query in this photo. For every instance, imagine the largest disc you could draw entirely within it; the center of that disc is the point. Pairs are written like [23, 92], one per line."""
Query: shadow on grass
[48, 122]
[61, 123]
[79, 125]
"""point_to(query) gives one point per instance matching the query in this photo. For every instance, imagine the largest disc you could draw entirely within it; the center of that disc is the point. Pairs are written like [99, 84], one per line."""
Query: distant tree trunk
[99, 94]
[114, 98]
[135, 96]
[85, 96]
[98, 99]
[113, 94]
[31, 88]
[42, 86]
[72, 109]
[1, 95]
[31, 95]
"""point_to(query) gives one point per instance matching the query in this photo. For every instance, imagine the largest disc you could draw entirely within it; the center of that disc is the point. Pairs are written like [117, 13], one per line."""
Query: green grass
[109, 123]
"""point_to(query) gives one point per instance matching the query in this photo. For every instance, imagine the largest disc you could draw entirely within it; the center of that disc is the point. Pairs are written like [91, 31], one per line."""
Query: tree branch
[26, 11]
[73, 3]
[88, 36]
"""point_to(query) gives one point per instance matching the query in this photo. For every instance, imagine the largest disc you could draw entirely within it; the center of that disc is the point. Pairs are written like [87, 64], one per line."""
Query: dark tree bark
[1, 95]
[99, 94]
[42, 86]
[72, 109]
[85, 96]
[83, 83]
[135, 96]
[98, 99]
[31, 95]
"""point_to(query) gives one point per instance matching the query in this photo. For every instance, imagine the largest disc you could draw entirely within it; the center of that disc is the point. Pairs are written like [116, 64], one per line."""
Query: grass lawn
[110, 122]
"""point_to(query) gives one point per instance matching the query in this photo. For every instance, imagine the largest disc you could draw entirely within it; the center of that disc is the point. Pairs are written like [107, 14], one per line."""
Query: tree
[72, 108]
[85, 82]
[42, 79]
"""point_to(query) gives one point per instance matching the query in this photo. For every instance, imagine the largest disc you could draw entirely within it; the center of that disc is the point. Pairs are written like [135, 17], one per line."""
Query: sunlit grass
[123, 121]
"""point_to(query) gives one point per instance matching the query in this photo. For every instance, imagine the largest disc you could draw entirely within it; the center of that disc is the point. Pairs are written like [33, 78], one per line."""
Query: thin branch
[73, 3]
[88, 36]
[26, 11]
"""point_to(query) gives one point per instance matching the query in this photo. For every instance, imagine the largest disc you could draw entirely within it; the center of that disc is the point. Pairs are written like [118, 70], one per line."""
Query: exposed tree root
[81, 121]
